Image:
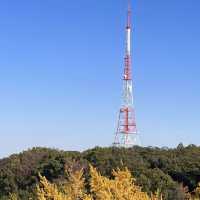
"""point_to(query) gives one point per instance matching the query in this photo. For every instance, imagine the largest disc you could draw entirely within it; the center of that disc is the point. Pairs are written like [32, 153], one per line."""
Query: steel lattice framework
[126, 133]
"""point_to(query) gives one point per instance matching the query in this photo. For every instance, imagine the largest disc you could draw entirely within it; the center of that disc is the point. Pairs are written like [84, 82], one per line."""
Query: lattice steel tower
[126, 134]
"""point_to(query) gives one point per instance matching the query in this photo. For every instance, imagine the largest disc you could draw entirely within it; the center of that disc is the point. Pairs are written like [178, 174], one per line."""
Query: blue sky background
[61, 62]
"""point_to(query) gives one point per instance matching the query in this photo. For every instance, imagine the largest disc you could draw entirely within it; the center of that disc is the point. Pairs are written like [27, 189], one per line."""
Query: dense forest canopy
[172, 171]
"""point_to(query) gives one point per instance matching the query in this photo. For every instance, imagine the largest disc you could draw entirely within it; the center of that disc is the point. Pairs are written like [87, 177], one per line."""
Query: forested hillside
[173, 172]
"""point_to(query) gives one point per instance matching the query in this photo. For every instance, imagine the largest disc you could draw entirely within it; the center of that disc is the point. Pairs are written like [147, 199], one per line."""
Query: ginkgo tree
[121, 187]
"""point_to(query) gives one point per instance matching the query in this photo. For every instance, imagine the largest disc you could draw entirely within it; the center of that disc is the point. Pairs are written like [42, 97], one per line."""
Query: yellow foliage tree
[122, 187]
[71, 190]
[75, 187]
[49, 191]
[13, 197]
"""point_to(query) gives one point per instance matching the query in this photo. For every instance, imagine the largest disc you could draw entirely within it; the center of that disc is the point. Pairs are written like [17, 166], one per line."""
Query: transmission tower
[126, 134]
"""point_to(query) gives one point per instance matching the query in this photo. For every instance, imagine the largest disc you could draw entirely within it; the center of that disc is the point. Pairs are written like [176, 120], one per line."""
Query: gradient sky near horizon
[61, 64]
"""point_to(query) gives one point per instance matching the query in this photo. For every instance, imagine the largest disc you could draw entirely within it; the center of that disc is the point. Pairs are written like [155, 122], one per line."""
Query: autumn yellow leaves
[121, 187]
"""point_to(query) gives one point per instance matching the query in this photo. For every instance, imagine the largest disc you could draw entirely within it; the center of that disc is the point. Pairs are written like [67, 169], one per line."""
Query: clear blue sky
[60, 67]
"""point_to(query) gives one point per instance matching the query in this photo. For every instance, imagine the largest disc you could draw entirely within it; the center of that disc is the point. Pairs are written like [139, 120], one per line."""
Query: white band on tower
[129, 41]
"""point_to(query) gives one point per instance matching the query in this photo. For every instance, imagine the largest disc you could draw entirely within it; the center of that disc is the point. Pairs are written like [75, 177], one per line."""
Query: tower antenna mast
[126, 133]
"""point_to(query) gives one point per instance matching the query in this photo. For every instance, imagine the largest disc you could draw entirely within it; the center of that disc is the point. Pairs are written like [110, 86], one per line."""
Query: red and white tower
[126, 133]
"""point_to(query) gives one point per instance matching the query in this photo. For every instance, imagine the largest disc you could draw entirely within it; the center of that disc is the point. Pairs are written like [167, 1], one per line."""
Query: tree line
[174, 173]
